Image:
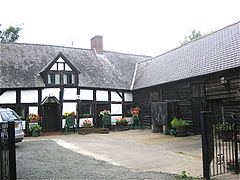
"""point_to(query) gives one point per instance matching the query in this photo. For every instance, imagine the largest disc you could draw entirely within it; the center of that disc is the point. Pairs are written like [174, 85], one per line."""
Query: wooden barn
[203, 75]
[51, 80]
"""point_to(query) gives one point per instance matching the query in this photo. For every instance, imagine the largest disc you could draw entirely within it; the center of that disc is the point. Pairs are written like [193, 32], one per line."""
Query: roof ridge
[68, 47]
[49, 45]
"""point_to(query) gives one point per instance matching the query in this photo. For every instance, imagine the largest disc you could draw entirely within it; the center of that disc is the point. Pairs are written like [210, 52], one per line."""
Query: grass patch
[185, 175]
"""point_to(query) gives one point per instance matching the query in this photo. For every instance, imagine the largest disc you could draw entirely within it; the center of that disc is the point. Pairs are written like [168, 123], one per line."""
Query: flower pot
[182, 131]
[121, 126]
[226, 135]
[35, 133]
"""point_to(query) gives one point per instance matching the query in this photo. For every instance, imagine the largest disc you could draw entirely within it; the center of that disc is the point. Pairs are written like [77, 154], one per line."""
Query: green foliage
[194, 35]
[35, 128]
[10, 34]
[225, 126]
[184, 175]
[121, 121]
[86, 115]
[176, 123]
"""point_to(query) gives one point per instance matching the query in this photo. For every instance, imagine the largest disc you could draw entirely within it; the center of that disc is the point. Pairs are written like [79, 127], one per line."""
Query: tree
[10, 34]
[194, 35]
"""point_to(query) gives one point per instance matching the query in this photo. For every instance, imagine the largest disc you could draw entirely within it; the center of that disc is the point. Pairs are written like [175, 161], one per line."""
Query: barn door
[196, 108]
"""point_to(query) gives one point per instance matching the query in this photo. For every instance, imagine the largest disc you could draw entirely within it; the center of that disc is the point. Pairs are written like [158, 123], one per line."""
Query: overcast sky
[148, 27]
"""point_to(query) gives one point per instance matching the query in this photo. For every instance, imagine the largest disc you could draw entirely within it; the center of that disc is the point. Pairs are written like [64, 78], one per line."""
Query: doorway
[50, 115]
[100, 107]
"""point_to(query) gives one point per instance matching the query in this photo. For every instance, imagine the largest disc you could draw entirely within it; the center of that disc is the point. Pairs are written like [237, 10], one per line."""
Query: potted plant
[86, 123]
[225, 131]
[121, 123]
[180, 126]
[135, 117]
[106, 118]
[67, 114]
[35, 129]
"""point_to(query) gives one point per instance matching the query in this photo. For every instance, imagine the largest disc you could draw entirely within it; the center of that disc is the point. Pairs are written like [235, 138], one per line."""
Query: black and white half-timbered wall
[51, 80]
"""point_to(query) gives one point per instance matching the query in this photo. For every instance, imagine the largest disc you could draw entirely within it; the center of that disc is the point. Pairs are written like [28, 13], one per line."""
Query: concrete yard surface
[139, 150]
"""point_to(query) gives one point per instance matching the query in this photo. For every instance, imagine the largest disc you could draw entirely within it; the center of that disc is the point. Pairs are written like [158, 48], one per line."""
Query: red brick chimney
[97, 44]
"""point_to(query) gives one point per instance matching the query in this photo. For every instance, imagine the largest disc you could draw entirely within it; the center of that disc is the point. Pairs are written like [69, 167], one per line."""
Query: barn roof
[20, 65]
[212, 53]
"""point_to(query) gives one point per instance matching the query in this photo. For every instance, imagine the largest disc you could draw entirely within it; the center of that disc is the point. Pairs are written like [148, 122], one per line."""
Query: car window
[9, 116]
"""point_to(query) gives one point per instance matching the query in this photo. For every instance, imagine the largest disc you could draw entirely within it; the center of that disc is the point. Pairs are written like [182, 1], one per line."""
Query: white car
[7, 114]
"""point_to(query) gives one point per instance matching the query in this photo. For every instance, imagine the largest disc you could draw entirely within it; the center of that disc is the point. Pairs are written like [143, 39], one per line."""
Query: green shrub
[35, 127]
[177, 123]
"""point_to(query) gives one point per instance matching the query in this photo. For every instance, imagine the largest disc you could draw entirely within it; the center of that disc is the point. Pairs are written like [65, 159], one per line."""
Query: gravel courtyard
[45, 159]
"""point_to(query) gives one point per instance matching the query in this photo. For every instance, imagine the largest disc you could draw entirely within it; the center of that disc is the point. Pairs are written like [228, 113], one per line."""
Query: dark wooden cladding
[194, 95]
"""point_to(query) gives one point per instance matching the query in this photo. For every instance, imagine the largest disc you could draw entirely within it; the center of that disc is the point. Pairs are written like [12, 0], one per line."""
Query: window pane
[65, 79]
[49, 78]
[85, 109]
[57, 78]
[69, 78]
[73, 79]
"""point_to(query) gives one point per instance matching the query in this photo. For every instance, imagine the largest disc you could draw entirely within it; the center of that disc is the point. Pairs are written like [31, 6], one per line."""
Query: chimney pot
[97, 44]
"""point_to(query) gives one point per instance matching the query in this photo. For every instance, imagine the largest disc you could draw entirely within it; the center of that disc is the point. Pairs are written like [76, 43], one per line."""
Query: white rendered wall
[101, 95]
[29, 96]
[70, 93]
[128, 97]
[86, 94]
[33, 110]
[69, 107]
[50, 92]
[116, 108]
[115, 96]
[8, 97]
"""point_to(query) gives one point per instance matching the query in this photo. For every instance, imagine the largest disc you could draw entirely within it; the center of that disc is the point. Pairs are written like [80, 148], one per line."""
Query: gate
[7, 151]
[220, 144]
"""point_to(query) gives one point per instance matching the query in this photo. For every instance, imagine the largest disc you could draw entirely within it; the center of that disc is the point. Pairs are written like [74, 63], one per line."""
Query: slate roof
[21, 63]
[212, 53]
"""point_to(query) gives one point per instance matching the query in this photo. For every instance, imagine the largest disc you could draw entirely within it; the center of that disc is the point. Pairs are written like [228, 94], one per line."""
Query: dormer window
[54, 78]
[68, 78]
[60, 72]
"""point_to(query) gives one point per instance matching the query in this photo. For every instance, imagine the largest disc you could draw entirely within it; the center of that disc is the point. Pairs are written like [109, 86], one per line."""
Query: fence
[7, 151]
[220, 144]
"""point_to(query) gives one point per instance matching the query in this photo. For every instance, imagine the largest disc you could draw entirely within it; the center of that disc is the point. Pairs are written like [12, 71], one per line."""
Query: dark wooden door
[196, 108]
[100, 107]
[50, 118]
[198, 105]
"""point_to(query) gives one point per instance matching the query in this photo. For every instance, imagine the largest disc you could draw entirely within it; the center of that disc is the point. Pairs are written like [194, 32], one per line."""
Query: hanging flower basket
[33, 117]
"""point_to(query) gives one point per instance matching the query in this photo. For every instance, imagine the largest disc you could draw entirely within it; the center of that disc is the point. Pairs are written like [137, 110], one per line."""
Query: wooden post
[12, 151]
[205, 148]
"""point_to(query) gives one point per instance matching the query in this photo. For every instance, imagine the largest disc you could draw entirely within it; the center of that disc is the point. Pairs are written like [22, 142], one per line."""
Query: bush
[177, 123]
[35, 128]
